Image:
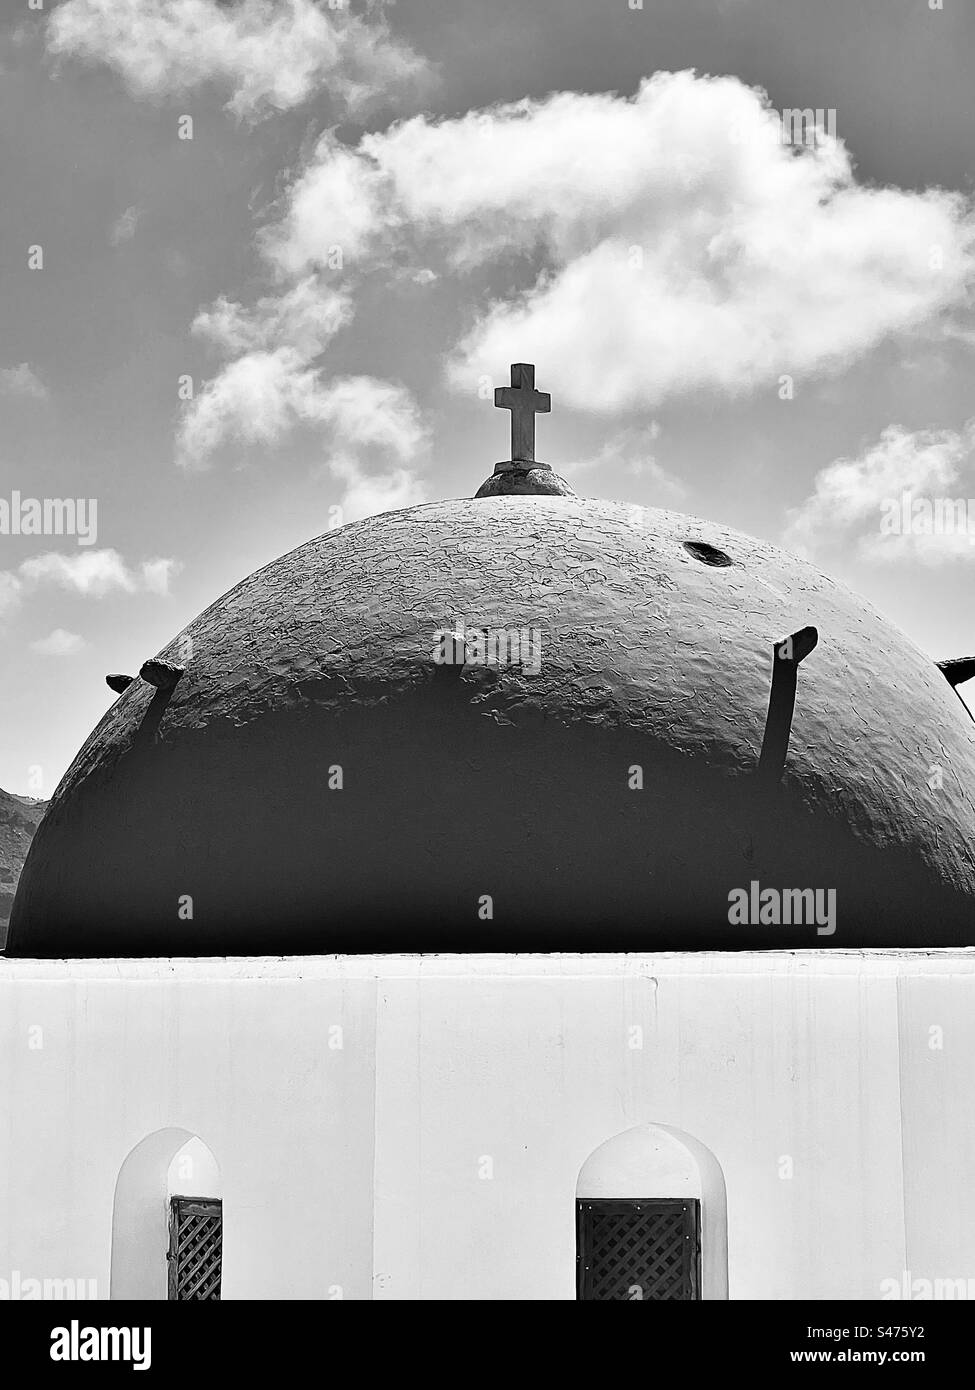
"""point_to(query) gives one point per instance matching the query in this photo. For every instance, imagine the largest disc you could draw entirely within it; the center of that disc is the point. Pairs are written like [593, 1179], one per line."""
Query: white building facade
[442, 1127]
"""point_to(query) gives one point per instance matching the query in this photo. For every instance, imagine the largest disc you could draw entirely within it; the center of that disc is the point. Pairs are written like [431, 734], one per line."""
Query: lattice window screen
[195, 1248]
[634, 1251]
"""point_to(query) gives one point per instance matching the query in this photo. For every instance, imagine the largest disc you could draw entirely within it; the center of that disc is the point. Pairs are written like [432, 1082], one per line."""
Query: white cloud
[92, 574]
[651, 246]
[270, 54]
[664, 243]
[372, 430]
[10, 592]
[367, 494]
[59, 643]
[376, 435]
[156, 576]
[97, 572]
[366, 414]
[335, 202]
[124, 226]
[305, 318]
[631, 450]
[255, 399]
[903, 476]
[21, 381]
[366, 424]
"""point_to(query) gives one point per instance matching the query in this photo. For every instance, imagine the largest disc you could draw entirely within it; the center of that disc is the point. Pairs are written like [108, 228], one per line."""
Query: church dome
[515, 722]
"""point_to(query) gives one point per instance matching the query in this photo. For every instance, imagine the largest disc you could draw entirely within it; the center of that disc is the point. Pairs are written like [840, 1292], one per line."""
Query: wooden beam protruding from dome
[957, 670]
[786, 656]
[162, 674]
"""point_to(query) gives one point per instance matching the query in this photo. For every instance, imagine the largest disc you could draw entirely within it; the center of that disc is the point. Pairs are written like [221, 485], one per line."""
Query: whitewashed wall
[435, 1153]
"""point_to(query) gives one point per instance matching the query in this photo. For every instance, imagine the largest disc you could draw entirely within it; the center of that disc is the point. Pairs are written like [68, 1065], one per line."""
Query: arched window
[651, 1219]
[167, 1226]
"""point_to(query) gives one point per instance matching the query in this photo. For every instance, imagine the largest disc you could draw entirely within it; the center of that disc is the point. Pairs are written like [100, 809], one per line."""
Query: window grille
[635, 1251]
[195, 1248]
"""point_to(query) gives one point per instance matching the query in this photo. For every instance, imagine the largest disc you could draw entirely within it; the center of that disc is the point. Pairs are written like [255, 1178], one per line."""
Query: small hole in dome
[708, 554]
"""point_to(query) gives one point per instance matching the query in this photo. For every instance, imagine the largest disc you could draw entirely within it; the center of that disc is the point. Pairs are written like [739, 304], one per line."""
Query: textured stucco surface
[504, 783]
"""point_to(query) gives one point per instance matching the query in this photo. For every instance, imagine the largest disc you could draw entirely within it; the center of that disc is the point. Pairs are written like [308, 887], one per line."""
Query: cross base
[521, 478]
[520, 466]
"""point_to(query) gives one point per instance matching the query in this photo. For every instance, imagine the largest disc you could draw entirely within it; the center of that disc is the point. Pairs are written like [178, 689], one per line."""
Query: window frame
[689, 1207]
[191, 1206]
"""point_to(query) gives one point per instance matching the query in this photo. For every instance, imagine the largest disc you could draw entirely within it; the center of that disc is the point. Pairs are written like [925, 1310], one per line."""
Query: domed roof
[331, 774]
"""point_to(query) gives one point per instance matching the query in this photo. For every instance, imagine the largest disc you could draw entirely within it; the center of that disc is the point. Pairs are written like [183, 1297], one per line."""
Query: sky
[262, 263]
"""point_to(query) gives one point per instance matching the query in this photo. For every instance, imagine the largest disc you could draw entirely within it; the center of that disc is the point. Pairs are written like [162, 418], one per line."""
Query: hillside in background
[19, 818]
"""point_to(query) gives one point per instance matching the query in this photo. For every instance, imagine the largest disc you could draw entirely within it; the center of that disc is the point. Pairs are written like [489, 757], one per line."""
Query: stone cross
[523, 401]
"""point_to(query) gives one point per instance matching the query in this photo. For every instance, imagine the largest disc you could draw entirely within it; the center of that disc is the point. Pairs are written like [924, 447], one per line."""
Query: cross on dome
[524, 402]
